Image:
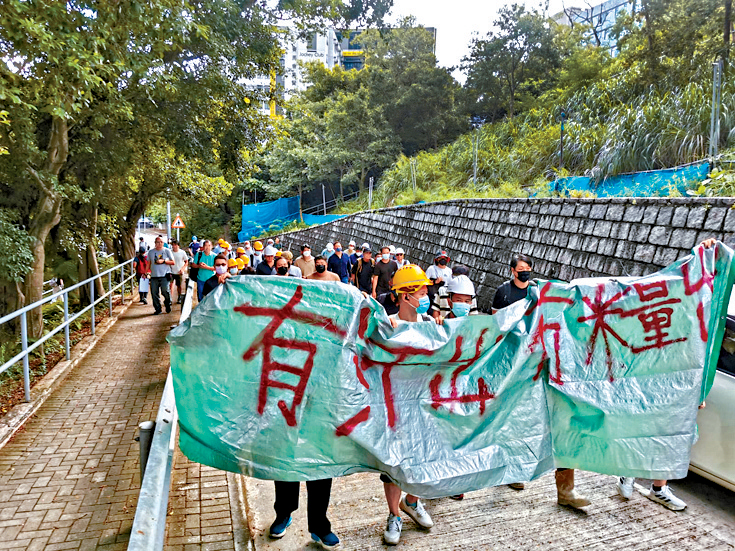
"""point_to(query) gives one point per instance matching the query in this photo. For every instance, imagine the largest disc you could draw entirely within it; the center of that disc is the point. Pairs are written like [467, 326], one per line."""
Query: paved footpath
[69, 479]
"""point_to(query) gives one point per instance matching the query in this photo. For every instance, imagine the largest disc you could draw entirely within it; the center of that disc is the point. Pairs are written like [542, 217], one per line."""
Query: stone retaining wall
[567, 238]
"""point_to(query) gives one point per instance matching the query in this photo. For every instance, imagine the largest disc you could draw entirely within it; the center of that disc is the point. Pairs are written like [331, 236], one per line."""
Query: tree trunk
[125, 241]
[88, 266]
[45, 215]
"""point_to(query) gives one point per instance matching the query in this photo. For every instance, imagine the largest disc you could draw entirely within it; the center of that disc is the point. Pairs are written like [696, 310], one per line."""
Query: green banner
[289, 379]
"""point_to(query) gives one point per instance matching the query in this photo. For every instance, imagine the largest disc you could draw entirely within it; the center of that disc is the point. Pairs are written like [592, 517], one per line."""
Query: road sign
[178, 223]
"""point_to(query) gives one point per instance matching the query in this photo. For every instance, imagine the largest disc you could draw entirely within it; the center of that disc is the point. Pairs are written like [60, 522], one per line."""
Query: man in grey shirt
[160, 261]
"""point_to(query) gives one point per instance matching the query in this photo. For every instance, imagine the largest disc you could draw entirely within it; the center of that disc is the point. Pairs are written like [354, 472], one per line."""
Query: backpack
[194, 272]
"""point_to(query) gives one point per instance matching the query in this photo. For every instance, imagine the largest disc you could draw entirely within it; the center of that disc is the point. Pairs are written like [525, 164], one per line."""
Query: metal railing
[26, 349]
[149, 525]
[322, 208]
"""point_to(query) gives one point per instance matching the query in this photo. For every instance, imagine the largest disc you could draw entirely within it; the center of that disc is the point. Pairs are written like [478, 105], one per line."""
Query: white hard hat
[461, 285]
[269, 242]
[399, 250]
[330, 247]
[269, 251]
[392, 249]
[365, 245]
[352, 244]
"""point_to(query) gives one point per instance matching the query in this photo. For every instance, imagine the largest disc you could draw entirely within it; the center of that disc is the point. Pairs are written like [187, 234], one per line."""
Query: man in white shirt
[178, 270]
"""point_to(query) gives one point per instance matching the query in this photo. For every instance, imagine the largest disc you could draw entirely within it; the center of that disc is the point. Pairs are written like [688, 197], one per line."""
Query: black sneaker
[168, 308]
[156, 312]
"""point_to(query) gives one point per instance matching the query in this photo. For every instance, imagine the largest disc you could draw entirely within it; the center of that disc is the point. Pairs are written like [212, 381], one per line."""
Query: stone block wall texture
[567, 238]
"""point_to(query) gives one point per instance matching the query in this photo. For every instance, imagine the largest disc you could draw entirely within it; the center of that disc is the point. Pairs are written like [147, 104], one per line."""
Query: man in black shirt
[363, 272]
[383, 272]
[517, 288]
[509, 292]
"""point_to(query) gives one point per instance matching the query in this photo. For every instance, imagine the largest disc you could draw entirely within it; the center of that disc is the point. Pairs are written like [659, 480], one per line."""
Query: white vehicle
[713, 456]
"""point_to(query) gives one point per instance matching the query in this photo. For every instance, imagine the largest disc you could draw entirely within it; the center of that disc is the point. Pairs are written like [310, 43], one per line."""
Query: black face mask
[443, 262]
[282, 270]
[524, 276]
[320, 268]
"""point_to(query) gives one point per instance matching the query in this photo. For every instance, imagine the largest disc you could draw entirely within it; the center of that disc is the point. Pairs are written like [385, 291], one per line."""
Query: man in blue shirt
[339, 263]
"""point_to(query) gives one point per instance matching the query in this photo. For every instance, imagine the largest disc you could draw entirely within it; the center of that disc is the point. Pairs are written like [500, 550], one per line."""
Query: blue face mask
[338, 249]
[460, 309]
[424, 304]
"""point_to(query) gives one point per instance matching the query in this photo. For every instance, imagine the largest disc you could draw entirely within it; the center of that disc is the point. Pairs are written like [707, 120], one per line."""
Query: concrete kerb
[41, 391]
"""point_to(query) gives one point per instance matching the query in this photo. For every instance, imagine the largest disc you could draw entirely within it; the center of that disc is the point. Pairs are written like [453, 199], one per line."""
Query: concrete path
[503, 518]
[69, 479]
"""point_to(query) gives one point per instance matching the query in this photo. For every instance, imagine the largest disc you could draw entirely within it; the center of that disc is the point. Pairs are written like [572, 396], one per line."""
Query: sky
[457, 21]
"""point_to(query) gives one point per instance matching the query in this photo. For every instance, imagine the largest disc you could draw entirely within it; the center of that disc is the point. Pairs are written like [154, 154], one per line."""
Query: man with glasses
[160, 261]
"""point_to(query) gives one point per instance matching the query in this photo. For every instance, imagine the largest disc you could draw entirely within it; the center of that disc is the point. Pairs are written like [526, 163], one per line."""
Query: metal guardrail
[321, 208]
[149, 525]
[23, 314]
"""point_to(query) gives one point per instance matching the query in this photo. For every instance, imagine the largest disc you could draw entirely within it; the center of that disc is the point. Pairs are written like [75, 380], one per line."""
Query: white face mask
[233, 271]
[220, 270]
[386, 256]
[306, 254]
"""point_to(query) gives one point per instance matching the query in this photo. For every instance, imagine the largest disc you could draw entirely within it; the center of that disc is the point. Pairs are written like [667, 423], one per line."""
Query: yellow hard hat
[245, 260]
[220, 241]
[278, 253]
[240, 250]
[409, 278]
[225, 245]
[232, 263]
[258, 246]
[240, 263]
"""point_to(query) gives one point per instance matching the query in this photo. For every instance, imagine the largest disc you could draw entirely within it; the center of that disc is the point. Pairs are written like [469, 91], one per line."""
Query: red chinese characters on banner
[483, 393]
[654, 315]
[267, 341]
[537, 339]
[690, 287]
[401, 354]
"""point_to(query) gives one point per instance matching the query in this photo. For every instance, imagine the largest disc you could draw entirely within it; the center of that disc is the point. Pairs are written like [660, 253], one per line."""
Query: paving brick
[57, 501]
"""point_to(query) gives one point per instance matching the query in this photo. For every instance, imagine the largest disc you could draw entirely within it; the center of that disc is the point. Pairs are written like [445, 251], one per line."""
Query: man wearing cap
[401, 258]
[194, 246]
[268, 265]
[257, 256]
[178, 270]
[383, 272]
[358, 253]
[439, 274]
[305, 262]
[218, 248]
[362, 272]
[351, 249]
[328, 251]
[339, 263]
[410, 284]
[441, 305]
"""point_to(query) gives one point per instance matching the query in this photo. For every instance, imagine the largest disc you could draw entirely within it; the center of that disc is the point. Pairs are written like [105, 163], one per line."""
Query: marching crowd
[408, 294]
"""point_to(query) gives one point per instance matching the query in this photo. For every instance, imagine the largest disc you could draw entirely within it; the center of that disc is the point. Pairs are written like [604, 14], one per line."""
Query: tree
[418, 97]
[520, 54]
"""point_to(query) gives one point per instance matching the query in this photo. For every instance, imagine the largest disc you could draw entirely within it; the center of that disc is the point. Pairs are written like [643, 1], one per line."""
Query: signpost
[178, 225]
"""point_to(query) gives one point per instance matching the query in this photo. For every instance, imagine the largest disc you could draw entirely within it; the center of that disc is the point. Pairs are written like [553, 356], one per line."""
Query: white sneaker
[417, 513]
[666, 498]
[625, 486]
[393, 530]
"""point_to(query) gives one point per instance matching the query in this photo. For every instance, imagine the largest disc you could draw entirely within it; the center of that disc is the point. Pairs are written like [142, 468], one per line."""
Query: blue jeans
[200, 289]
[345, 279]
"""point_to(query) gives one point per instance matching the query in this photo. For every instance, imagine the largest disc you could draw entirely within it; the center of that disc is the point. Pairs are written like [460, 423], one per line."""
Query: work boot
[565, 490]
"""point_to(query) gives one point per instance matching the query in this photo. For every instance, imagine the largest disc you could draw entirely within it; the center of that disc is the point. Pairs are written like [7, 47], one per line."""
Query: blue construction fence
[639, 184]
[273, 215]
